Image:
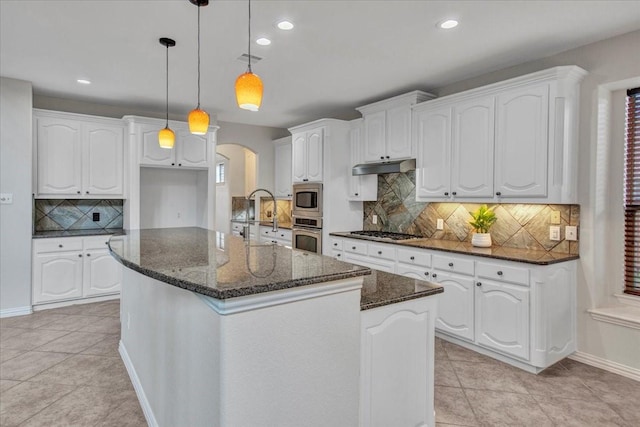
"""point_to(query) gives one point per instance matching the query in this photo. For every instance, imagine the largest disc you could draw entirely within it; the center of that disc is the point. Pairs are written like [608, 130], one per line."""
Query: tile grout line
[57, 400]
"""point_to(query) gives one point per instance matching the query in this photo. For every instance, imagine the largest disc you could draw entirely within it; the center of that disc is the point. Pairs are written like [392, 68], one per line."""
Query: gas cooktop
[386, 235]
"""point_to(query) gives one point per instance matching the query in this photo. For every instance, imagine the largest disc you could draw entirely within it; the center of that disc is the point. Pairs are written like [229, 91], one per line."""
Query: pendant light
[249, 85]
[198, 119]
[166, 137]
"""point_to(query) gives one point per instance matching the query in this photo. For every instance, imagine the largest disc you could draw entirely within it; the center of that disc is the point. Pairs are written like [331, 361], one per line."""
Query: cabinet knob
[426, 273]
[59, 246]
[381, 157]
[479, 284]
[446, 193]
[306, 179]
[387, 157]
[335, 244]
[498, 193]
[79, 255]
[434, 275]
[179, 164]
[282, 235]
[86, 192]
[338, 255]
[412, 258]
[353, 247]
[379, 252]
[499, 273]
[454, 193]
[88, 254]
[78, 192]
[356, 194]
[173, 164]
[450, 264]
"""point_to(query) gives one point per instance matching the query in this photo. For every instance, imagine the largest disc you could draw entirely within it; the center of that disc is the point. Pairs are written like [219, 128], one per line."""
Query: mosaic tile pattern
[524, 226]
[239, 209]
[284, 211]
[71, 214]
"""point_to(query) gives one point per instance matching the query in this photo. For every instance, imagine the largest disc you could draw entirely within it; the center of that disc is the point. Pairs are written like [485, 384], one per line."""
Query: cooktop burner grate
[386, 235]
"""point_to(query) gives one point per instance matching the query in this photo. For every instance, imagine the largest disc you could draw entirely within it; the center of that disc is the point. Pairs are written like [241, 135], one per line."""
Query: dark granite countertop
[380, 289]
[78, 233]
[497, 252]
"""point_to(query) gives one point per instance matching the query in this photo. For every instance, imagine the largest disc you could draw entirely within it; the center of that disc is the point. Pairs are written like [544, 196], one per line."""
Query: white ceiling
[340, 55]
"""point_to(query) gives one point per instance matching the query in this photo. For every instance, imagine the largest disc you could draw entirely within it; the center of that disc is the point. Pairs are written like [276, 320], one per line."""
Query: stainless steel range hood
[394, 166]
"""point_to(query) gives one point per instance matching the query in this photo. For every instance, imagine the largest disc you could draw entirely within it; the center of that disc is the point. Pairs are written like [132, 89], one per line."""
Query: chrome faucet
[247, 232]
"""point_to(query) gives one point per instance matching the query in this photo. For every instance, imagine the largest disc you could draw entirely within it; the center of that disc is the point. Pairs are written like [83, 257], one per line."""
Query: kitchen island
[219, 331]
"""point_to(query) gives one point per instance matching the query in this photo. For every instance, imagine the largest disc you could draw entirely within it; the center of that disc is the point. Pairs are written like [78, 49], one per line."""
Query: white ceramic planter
[481, 240]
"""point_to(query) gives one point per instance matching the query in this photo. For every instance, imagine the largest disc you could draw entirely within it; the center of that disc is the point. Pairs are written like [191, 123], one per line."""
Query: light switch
[439, 224]
[555, 217]
[571, 232]
[554, 233]
[374, 219]
[6, 198]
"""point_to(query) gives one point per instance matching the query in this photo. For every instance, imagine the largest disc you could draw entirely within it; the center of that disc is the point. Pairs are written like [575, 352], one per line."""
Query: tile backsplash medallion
[239, 209]
[284, 210]
[523, 226]
[73, 214]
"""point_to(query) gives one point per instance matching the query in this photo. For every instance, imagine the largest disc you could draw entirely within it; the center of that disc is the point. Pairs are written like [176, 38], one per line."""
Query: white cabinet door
[455, 310]
[315, 140]
[363, 187]
[191, 150]
[472, 148]
[57, 276]
[399, 133]
[283, 171]
[502, 318]
[432, 132]
[102, 273]
[151, 152]
[299, 165]
[521, 142]
[375, 134]
[59, 158]
[413, 272]
[103, 159]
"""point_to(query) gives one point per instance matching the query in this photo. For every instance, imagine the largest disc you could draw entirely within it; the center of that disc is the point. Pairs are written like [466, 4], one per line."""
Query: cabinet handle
[356, 194]
[446, 193]
[387, 157]
[379, 252]
[353, 247]
[426, 273]
[412, 258]
[306, 179]
[381, 157]
[86, 192]
[79, 255]
[498, 193]
[282, 235]
[59, 246]
[338, 255]
[179, 164]
[454, 193]
[335, 244]
[78, 192]
[88, 254]
[479, 284]
[173, 164]
[499, 273]
[434, 275]
[450, 264]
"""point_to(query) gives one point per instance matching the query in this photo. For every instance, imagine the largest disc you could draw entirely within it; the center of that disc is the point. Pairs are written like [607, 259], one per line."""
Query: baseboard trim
[607, 365]
[142, 397]
[88, 300]
[17, 311]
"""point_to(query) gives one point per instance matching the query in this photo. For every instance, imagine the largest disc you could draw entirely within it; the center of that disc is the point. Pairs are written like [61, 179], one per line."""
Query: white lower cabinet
[283, 236]
[71, 268]
[523, 314]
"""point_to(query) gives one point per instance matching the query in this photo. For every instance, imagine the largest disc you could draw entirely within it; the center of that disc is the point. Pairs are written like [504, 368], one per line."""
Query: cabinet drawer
[382, 251]
[282, 234]
[503, 273]
[57, 245]
[453, 264]
[414, 257]
[336, 244]
[236, 226]
[96, 242]
[355, 247]
[337, 255]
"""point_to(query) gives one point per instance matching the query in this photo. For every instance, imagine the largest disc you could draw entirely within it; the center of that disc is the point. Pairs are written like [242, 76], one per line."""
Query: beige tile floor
[61, 367]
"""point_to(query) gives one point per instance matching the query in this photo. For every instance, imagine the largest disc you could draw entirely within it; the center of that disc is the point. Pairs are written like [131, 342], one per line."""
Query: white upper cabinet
[189, 151]
[78, 156]
[522, 142]
[363, 187]
[387, 127]
[513, 141]
[151, 152]
[307, 155]
[283, 171]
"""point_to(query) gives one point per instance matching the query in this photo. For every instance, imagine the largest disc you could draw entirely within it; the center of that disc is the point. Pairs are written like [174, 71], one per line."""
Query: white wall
[607, 61]
[235, 172]
[223, 201]
[15, 177]
[172, 198]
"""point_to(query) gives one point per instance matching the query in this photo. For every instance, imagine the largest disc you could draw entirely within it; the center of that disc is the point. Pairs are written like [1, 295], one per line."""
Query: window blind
[632, 195]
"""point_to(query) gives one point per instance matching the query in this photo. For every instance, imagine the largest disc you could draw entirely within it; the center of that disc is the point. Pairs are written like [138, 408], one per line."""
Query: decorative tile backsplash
[284, 211]
[72, 214]
[239, 209]
[518, 226]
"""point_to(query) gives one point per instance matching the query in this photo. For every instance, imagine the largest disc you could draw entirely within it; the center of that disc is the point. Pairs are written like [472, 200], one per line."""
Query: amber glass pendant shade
[198, 121]
[166, 138]
[249, 91]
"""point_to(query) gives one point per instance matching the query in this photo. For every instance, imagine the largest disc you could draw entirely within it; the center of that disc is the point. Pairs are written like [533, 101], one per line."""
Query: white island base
[305, 356]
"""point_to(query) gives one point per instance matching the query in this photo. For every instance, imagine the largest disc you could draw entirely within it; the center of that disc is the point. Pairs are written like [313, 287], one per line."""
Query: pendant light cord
[198, 56]
[167, 122]
[249, 47]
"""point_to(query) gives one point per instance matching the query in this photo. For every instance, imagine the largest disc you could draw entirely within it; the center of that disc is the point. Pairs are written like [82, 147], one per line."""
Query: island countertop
[223, 266]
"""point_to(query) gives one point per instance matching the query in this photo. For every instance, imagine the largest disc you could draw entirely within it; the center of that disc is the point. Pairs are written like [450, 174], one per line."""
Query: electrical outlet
[6, 198]
[179, 215]
[374, 219]
[571, 232]
[439, 224]
[554, 233]
[555, 217]
[96, 216]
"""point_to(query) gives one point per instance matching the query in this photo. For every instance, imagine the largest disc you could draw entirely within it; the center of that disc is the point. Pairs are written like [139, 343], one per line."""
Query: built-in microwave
[307, 199]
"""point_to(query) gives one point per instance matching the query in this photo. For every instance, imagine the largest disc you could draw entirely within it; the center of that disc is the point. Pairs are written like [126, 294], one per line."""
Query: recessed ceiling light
[84, 81]
[448, 24]
[263, 41]
[285, 25]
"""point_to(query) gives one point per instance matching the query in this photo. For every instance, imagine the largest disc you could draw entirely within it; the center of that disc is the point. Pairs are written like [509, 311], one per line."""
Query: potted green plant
[483, 219]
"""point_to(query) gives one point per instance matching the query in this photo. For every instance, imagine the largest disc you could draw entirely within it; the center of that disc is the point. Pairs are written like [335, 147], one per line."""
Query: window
[220, 173]
[632, 195]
